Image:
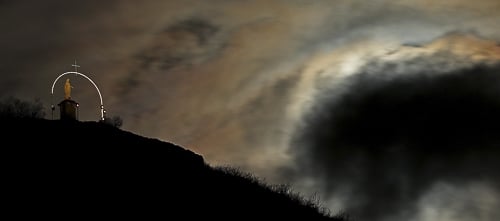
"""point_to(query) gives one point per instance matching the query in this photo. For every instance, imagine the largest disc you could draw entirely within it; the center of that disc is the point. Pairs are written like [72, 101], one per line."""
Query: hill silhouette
[57, 169]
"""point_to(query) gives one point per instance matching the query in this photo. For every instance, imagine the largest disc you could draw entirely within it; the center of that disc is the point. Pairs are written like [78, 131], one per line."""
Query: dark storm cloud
[389, 138]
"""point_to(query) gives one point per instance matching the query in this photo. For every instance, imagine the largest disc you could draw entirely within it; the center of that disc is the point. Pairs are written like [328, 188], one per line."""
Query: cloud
[396, 127]
[182, 44]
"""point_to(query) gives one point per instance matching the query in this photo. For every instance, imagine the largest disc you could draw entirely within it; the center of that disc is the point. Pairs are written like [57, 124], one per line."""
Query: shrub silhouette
[115, 121]
[12, 107]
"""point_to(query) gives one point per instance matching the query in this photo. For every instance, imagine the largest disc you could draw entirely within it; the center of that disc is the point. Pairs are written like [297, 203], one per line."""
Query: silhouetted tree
[12, 107]
[115, 121]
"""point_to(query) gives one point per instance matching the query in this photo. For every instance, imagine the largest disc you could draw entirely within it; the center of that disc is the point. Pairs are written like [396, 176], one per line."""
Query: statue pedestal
[69, 109]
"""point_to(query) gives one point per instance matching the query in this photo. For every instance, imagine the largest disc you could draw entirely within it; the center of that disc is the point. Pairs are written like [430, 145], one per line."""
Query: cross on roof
[76, 66]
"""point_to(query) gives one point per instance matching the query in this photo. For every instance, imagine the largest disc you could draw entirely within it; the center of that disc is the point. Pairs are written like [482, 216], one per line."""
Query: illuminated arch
[85, 76]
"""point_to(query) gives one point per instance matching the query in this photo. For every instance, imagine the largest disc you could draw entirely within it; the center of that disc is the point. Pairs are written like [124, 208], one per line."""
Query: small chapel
[69, 108]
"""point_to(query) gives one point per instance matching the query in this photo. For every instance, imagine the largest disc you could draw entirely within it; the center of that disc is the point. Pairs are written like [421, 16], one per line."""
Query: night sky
[389, 110]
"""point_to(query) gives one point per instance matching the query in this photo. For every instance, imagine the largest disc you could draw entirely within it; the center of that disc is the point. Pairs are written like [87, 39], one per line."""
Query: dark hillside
[55, 169]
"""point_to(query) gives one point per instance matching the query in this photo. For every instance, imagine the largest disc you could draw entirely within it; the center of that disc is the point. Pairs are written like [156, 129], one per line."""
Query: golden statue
[67, 90]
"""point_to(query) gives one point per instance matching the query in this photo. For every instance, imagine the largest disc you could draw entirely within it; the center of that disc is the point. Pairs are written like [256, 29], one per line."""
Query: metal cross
[76, 66]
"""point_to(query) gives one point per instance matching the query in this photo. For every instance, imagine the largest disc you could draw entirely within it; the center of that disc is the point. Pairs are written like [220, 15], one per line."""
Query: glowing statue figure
[67, 90]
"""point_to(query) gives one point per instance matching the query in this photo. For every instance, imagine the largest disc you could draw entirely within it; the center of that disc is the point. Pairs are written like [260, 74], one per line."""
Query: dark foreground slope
[54, 169]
